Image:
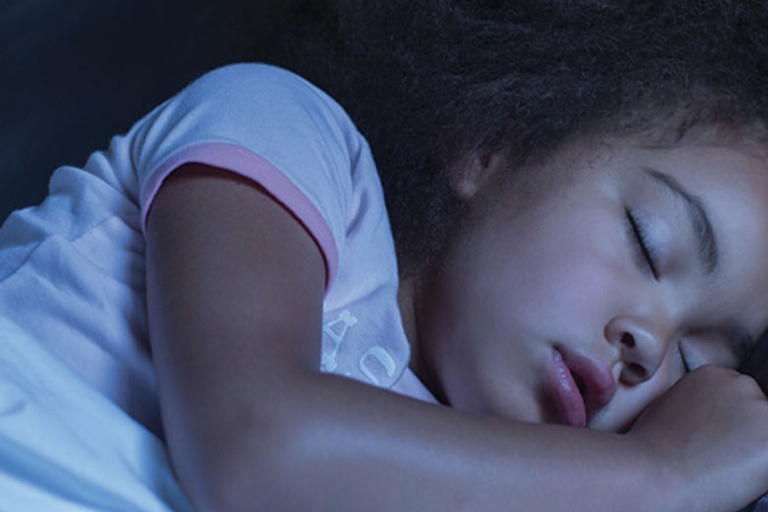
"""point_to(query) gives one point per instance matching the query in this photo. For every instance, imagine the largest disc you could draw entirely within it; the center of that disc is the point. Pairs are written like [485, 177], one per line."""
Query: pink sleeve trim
[250, 165]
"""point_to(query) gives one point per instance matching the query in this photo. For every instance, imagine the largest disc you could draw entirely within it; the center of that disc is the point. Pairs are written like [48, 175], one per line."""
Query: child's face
[580, 296]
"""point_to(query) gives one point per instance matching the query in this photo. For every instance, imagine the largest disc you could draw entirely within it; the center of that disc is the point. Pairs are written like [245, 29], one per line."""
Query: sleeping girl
[531, 291]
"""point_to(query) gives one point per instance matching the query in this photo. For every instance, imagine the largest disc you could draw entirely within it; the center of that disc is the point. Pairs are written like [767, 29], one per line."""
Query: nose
[642, 346]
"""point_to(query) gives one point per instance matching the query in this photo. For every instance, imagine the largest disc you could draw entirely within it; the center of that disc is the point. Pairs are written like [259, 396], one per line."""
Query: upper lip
[593, 377]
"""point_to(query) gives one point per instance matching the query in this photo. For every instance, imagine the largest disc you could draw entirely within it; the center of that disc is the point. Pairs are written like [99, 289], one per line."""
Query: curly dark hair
[430, 81]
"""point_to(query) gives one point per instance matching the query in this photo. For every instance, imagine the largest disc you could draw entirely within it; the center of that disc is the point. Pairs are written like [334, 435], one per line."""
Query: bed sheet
[64, 447]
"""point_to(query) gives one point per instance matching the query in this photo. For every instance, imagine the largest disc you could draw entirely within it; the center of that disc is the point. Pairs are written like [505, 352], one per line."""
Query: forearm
[345, 446]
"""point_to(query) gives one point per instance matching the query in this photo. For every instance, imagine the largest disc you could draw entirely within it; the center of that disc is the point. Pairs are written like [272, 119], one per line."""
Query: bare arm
[235, 290]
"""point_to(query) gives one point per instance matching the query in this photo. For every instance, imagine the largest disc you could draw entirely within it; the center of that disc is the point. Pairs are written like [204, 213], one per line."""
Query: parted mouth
[582, 385]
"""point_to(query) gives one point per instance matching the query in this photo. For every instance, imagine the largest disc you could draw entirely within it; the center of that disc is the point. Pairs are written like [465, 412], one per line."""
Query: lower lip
[567, 394]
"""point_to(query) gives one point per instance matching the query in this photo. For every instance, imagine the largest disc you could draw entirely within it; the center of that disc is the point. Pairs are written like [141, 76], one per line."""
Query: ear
[472, 173]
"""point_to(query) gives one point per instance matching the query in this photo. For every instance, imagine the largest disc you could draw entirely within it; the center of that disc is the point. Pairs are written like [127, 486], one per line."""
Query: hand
[709, 434]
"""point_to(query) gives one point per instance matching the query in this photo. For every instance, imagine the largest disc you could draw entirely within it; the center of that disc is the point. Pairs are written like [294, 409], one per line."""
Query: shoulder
[248, 108]
[262, 83]
[256, 105]
[250, 74]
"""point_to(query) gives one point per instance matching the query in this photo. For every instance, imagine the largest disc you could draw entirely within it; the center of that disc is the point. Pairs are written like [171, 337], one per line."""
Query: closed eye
[642, 245]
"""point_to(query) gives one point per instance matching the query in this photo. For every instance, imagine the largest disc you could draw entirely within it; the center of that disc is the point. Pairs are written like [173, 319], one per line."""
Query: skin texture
[235, 290]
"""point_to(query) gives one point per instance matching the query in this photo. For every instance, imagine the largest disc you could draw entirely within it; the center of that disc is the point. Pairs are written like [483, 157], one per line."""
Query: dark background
[73, 73]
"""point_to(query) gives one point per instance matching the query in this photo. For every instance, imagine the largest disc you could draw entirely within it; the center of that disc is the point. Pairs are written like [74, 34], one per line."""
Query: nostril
[628, 340]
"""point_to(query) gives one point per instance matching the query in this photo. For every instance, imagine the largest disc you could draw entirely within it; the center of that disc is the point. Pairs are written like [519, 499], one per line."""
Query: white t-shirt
[72, 269]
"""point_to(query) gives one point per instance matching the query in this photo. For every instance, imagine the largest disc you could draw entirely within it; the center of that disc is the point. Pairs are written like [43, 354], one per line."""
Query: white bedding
[64, 447]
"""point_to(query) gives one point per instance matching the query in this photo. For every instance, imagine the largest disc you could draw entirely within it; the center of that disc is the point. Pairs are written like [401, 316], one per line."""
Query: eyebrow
[702, 227]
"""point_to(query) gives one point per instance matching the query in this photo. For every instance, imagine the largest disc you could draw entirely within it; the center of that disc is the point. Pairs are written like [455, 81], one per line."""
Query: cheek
[577, 287]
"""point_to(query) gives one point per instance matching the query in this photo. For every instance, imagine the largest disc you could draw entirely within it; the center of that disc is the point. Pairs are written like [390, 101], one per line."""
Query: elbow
[250, 469]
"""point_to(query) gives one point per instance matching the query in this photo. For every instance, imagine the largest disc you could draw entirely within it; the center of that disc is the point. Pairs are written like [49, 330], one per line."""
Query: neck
[406, 299]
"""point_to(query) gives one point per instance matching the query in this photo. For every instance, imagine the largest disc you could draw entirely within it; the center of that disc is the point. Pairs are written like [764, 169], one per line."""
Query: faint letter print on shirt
[374, 364]
[379, 357]
[335, 331]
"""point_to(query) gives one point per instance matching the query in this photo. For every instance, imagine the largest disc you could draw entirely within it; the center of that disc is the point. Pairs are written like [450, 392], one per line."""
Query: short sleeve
[266, 124]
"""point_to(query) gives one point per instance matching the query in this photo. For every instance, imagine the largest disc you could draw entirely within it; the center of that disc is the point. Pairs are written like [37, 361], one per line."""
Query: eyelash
[640, 238]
